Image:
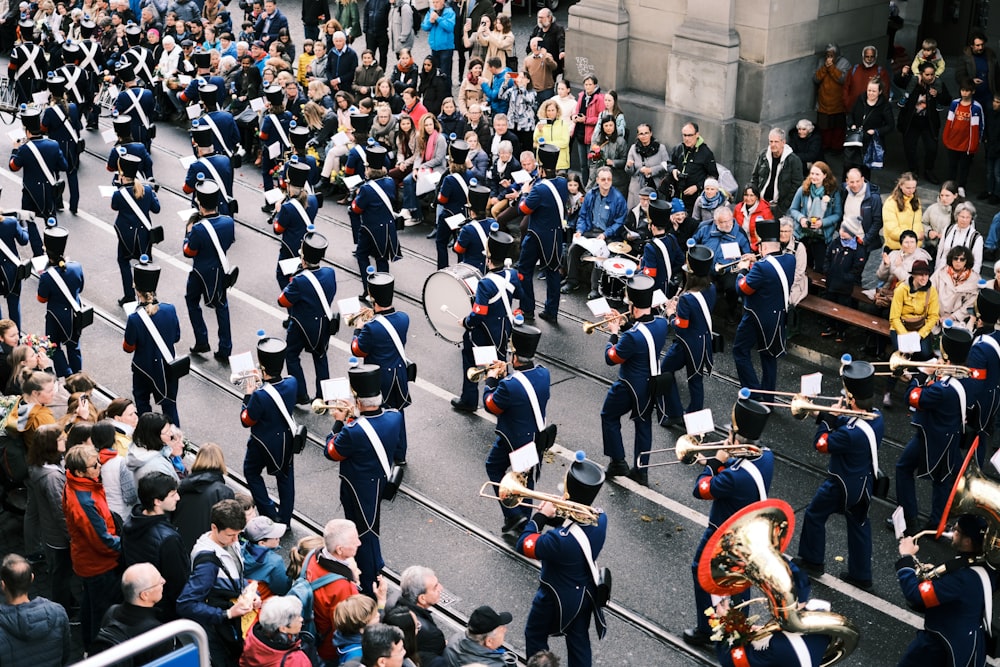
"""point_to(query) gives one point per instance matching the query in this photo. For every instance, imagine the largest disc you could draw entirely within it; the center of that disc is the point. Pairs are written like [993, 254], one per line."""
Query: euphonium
[355, 320]
[512, 491]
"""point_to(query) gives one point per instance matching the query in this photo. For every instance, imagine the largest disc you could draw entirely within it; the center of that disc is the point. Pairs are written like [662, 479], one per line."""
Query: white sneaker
[408, 219]
[887, 400]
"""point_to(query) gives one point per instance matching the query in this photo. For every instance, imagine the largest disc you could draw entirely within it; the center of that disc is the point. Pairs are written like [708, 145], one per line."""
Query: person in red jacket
[341, 541]
[274, 639]
[94, 545]
[961, 134]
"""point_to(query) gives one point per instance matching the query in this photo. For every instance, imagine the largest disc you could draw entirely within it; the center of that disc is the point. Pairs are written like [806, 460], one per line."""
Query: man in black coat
[314, 12]
[376, 27]
[691, 162]
[419, 591]
[142, 586]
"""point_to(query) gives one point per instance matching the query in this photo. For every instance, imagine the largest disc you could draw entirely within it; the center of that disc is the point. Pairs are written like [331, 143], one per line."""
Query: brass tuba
[974, 493]
[747, 551]
[512, 491]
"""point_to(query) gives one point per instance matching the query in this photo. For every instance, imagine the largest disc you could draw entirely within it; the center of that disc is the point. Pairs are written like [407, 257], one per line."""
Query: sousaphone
[974, 493]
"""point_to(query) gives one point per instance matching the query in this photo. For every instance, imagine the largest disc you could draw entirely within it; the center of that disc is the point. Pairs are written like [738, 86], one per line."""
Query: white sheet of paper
[241, 363]
[257, 104]
[113, 91]
[290, 265]
[353, 182]
[341, 139]
[700, 422]
[186, 214]
[599, 307]
[17, 135]
[183, 79]
[898, 522]
[484, 355]
[524, 458]
[811, 385]
[274, 150]
[659, 298]
[273, 196]
[193, 111]
[129, 307]
[39, 263]
[106, 190]
[40, 98]
[730, 250]
[187, 161]
[454, 221]
[334, 389]
[427, 181]
[521, 176]
[908, 342]
[109, 136]
[349, 306]
[595, 247]
[995, 460]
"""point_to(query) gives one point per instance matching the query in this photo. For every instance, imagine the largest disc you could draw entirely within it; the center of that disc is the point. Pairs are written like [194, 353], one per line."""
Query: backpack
[304, 590]
[418, 18]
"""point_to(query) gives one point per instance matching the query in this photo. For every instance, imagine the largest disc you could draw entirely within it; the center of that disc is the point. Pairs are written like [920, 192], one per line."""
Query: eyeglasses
[161, 582]
[685, 134]
[94, 466]
[642, 134]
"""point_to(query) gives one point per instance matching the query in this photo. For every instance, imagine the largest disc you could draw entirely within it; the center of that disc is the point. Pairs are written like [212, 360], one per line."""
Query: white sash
[989, 340]
[300, 210]
[801, 650]
[218, 135]
[960, 390]
[88, 56]
[501, 284]
[770, 259]
[72, 76]
[654, 368]
[559, 201]
[327, 306]
[31, 53]
[461, 182]
[218, 246]
[376, 443]
[67, 123]
[134, 205]
[41, 163]
[532, 398]
[381, 193]
[141, 64]
[61, 284]
[280, 130]
[218, 179]
[10, 254]
[391, 330]
[700, 298]
[872, 444]
[138, 107]
[155, 333]
[758, 479]
[581, 539]
[361, 154]
[280, 403]
[984, 578]
[482, 235]
[666, 258]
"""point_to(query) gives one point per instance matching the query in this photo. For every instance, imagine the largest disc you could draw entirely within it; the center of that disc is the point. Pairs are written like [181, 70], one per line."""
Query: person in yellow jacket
[553, 130]
[901, 211]
[914, 307]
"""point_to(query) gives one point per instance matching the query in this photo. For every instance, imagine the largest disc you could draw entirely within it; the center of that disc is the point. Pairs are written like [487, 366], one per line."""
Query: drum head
[447, 297]
[618, 266]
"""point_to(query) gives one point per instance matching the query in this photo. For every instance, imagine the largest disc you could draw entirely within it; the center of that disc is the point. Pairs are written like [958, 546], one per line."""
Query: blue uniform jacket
[304, 306]
[378, 221]
[191, 94]
[372, 343]
[631, 352]
[508, 400]
[952, 606]
[11, 232]
[731, 487]
[56, 129]
[314, 170]
[146, 356]
[617, 212]
[983, 389]
[222, 167]
[356, 162]
[132, 233]
[268, 428]
[469, 245]
[850, 456]
[764, 300]
[692, 332]
[544, 220]
[228, 130]
[292, 227]
[488, 323]
[58, 311]
[939, 423]
[269, 132]
[144, 62]
[362, 476]
[779, 651]
[662, 268]
[565, 571]
[34, 182]
[132, 148]
[207, 264]
[128, 103]
[452, 196]
[709, 235]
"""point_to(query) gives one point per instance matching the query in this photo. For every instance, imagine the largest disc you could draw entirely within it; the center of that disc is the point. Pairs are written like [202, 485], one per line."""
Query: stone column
[704, 60]
[597, 43]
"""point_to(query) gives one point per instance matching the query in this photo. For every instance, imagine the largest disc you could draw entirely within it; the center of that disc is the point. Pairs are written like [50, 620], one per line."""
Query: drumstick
[445, 309]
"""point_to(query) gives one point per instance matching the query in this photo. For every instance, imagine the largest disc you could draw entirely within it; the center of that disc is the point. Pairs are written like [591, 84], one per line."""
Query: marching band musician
[602, 216]
[270, 444]
[723, 231]
[197, 89]
[492, 315]
[985, 354]
[92, 61]
[953, 604]
[142, 60]
[12, 231]
[765, 290]
[135, 203]
[137, 103]
[149, 367]
[210, 165]
[296, 214]
[126, 144]
[508, 397]
[852, 444]
[79, 90]
[374, 205]
[364, 446]
[308, 296]
[661, 256]
[42, 160]
[471, 243]
[27, 63]
[690, 317]
[274, 128]
[61, 122]
[61, 278]
[731, 483]
[207, 240]
[299, 136]
[376, 342]
[568, 594]
[225, 131]
[452, 198]
[356, 161]
[636, 351]
[940, 421]
[544, 204]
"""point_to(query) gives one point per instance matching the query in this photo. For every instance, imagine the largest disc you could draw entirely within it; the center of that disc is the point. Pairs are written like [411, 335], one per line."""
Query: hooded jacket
[34, 633]
[94, 545]
[262, 651]
[143, 461]
[786, 182]
[153, 539]
[194, 510]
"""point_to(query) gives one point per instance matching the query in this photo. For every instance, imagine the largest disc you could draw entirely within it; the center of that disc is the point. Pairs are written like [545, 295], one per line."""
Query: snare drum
[615, 273]
[448, 296]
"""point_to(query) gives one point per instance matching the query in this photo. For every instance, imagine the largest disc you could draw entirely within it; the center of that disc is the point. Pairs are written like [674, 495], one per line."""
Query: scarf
[851, 243]
[647, 151]
[472, 78]
[713, 203]
[429, 148]
[959, 277]
[406, 69]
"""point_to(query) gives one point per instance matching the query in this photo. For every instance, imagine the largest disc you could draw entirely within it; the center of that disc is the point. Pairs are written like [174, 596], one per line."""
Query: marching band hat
[361, 122]
[274, 94]
[366, 380]
[524, 339]
[208, 193]
[125, 72]
[133, 34]
[299, 136]
[659, 213]
[203, 59]
[749, 418]
[27, 27]
[768, 230]
[122, 125]
[129, 164]
[271, 355]
[584, 480]
[988, 305]
[973, 527]
[381, 287]
[145, 275]
[87, 27]
[297, 173]
[31, 119]
[956, 342]
[479, 197]
[55, 241]
[376, 155]
[71, 51]
[548, 155]
[498, 247]
[640, 291]
[859, 379]
[56, 85]
[458, 150]
[699, 260]
[314, 247]
[202, 134]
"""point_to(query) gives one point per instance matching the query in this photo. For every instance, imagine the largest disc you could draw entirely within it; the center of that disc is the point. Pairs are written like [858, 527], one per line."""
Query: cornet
[355, 320]
[240, 378]
[740, 263]
[512, 491]
[321, 407]
[591, 327]
[477, 373]
[690, 448]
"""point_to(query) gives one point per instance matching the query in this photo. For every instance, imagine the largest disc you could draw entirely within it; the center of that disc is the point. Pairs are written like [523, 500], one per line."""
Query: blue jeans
[410, 201]
[993, 238]
[442, 60]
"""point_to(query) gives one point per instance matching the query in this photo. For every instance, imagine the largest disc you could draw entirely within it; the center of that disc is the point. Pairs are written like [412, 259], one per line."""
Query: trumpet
[740, 263]
[591, 327]
[477, 373]
[689, 449]
[355, 320]
[321, 407]
[512, 491]
[899, 362]
[241, 377]
[801, 406]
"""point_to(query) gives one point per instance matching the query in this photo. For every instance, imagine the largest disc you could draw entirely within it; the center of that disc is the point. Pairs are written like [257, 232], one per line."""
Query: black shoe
[551, 319]
[932, 178]
[860, 583]
[593, 294]
[696, 637]
[618, 468]
[200, 348]
[221, 357]
[639, 476]
[569, 287]
[400, 462]
[528, 317]
[812, 569]
[826, 333]
[514, 525]
[267, 208]
[363, 298]
[122, 301]
[433, 234]
[457, 404]
[668, 422]
[73, 210]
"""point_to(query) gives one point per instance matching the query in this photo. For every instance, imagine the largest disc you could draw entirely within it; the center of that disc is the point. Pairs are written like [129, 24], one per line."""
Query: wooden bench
[817, 279]
[855, 318]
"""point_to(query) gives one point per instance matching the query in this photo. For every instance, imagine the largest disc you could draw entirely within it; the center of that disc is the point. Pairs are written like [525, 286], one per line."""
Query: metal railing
[195, 653]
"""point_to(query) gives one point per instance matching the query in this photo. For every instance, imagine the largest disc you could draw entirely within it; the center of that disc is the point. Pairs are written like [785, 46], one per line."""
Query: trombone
[477, 373]
[512, 491]
[899, 362]
[689, 449]
[801, 406]
[355, 320]
[321, 407]
[591, 327]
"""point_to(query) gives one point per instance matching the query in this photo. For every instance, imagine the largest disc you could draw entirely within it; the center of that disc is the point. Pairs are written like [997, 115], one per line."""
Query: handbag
[854, 138]
[883, 295]
[916, 322]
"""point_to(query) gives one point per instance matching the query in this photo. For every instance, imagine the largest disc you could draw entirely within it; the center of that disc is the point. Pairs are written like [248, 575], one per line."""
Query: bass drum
[448, 296]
